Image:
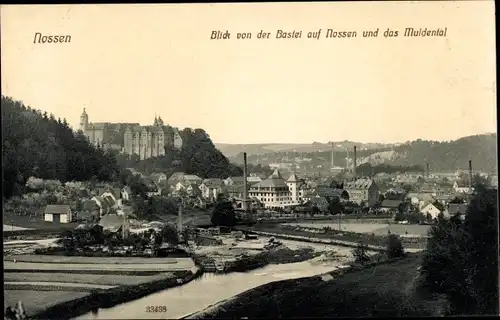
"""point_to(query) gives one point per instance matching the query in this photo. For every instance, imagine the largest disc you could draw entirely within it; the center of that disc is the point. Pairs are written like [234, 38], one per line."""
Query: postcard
[245, 160]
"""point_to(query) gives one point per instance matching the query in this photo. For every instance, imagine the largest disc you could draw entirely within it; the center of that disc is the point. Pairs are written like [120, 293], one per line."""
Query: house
[459, 187]
[192, 179]
[175, 178]
[158, 178]
[106, 204]
[362, 190]
[193, 190]
[234, 181]
[392, 206]
[420, 199]
[234, 191]
[114, 193]
[211, 188]
[328, 192]
[59, 213]
[274, 192]
[430, 209]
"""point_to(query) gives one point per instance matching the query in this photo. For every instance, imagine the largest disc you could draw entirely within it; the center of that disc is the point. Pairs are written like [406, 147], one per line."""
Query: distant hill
[231, 150]
[441, 156]
[198, 156]
[36, 144]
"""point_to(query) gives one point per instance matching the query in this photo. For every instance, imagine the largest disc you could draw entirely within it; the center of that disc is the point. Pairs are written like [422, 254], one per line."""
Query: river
[211, 288]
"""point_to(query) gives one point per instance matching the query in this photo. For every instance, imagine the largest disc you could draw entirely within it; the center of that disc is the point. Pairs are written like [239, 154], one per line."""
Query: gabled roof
[177, 176]
[293, 178]
[359, 184]
[57, 208]
[276, 175]
[213, 183]
[393, 204]
[191, 177]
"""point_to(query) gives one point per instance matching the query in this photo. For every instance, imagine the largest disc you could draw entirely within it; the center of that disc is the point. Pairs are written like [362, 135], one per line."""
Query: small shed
[59, 213]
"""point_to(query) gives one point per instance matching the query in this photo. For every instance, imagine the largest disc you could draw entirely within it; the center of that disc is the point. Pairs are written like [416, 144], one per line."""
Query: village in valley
[163, 227]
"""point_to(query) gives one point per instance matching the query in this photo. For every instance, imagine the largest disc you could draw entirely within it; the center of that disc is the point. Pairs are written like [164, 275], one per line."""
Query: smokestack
[470, 174]
[179, 219]
[354, 168]
[245, 187]
[332, 156]
[347, 161]
[427, 170]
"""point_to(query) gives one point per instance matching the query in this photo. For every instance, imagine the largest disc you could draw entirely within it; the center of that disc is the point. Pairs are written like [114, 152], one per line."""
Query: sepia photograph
[249, 160]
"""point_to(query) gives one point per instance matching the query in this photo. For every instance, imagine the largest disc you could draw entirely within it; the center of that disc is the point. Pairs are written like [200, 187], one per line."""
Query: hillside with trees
[38, 144]
[440, 155]
[198, 156]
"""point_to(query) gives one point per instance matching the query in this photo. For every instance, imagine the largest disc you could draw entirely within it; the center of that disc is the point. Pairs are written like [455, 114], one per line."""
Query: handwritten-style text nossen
[330, 33]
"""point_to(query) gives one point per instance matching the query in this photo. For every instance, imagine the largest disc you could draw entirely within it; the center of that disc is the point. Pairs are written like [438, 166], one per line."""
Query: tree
[360, 254]
[394, 247]
[223, 213]
[169, 234]
[461, 260]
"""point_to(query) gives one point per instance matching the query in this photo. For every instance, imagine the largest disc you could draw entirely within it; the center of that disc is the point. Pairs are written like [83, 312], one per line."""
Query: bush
[394, 247]
[360, 254]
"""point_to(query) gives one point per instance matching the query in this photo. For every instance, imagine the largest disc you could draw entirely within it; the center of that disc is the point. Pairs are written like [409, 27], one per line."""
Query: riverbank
[380, 289]
[332, 236]
[111, 297]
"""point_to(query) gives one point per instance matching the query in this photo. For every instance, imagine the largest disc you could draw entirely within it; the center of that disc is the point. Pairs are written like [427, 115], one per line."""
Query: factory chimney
[347, 161]
[245, 186]
[427, 170]
[179, 218]
[332, 156]
[470, 174]
[354, 167]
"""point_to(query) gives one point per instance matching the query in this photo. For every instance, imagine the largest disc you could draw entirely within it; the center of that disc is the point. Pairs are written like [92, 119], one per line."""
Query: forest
[38, 144]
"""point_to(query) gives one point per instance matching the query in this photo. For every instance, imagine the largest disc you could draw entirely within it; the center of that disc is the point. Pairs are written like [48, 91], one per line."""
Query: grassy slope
[35, 301]
[384, 290]
[113, 280]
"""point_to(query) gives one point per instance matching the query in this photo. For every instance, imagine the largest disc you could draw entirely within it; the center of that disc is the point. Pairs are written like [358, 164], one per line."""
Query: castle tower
[84, 120]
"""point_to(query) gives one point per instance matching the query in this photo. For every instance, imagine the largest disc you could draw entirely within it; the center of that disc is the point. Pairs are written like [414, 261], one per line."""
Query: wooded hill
[441, 155]
[38, 144]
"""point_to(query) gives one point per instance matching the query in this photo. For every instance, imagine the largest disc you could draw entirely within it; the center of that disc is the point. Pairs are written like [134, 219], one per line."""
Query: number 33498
[155, 309]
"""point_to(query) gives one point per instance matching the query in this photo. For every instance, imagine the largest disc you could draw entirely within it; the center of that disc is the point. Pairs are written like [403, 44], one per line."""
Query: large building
[132, 138]
[362, 190]
[275, 192]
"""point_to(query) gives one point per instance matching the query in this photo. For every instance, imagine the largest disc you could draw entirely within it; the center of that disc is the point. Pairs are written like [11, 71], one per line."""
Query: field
[35, 301]
[382, 291]
[98, 260]
[369, 228]
[109, 280]
[47, 277]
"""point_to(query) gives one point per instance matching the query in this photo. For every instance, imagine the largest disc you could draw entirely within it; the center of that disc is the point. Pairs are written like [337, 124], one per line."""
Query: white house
[58, 213]
[179, 186]
[430, 209]
[211, 188]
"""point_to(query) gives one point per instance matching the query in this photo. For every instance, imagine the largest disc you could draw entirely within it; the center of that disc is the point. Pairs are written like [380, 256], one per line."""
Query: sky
[128, 62]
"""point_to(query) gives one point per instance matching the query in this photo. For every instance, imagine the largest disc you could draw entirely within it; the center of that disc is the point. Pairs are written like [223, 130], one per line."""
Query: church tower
[84, 121]
[160, 121]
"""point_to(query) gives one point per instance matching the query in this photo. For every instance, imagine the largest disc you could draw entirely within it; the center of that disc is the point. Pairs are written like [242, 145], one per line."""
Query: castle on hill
[132, 138]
